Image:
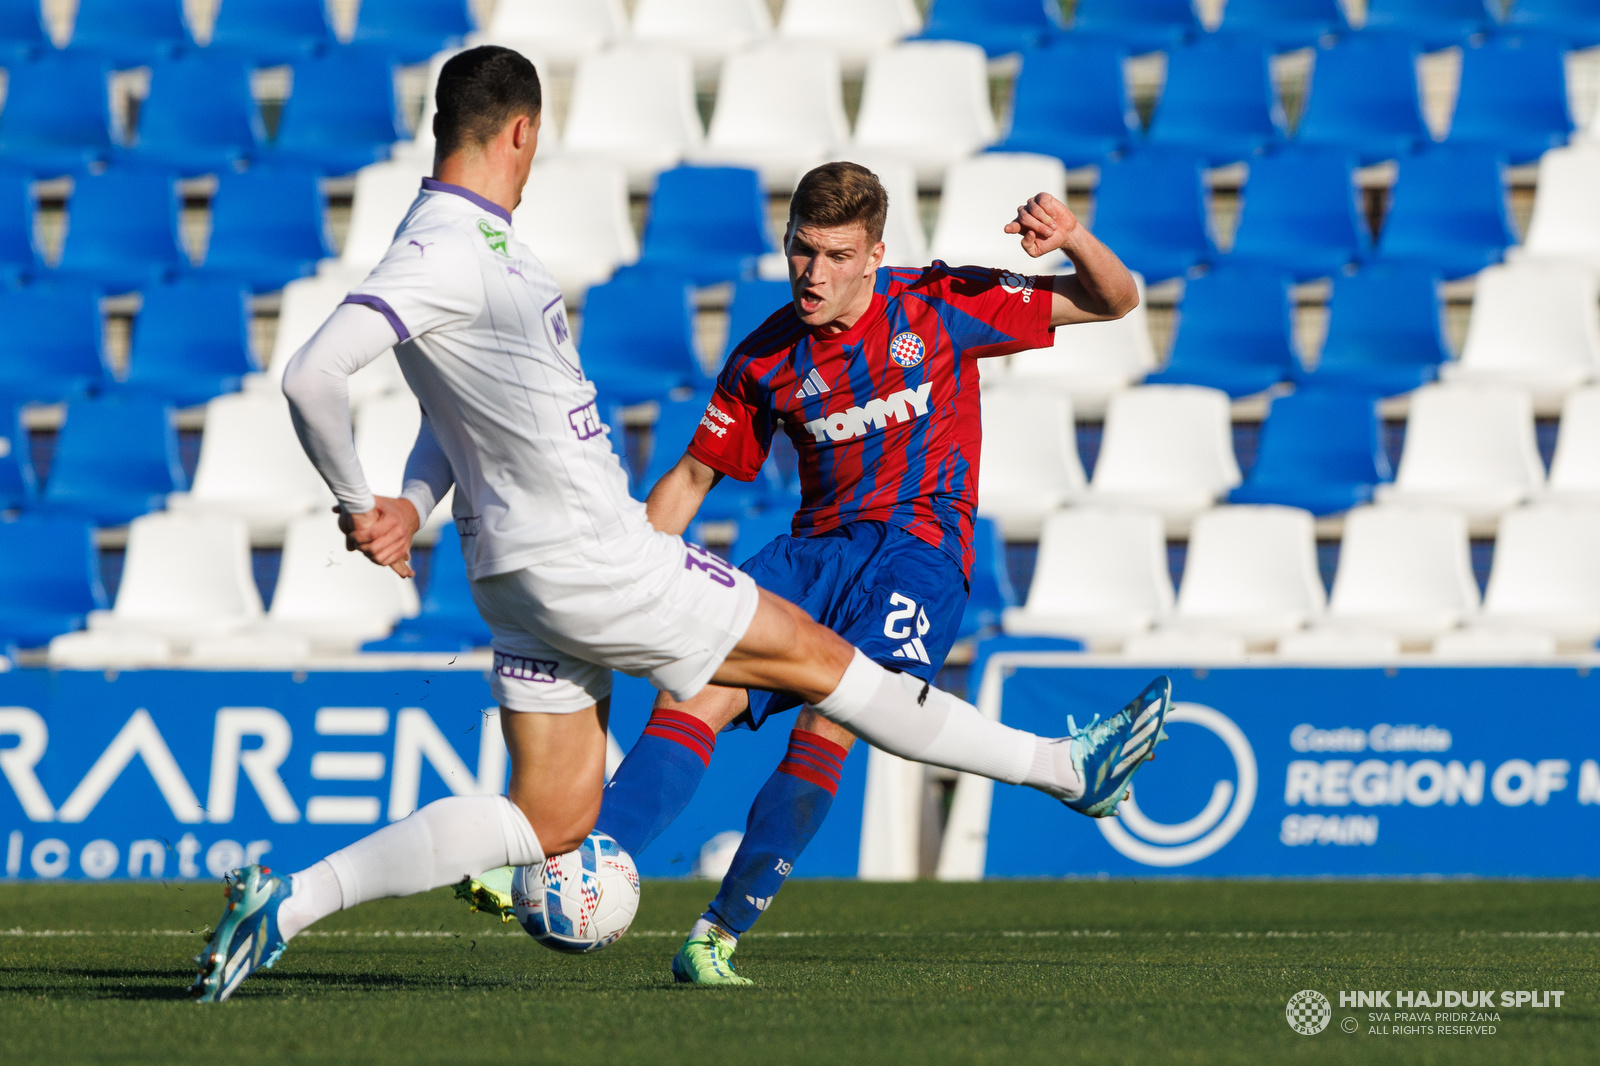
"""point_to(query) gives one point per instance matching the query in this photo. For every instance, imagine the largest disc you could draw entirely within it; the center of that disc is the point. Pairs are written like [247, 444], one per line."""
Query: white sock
[907, 717]
[452, 838]
[705, 925]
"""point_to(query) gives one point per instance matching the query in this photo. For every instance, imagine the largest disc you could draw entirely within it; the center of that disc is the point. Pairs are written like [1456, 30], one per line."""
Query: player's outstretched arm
[676, 498]
[1102, 289]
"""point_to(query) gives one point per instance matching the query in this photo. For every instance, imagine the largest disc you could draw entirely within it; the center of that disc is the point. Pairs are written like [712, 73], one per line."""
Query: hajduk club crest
[906, 349]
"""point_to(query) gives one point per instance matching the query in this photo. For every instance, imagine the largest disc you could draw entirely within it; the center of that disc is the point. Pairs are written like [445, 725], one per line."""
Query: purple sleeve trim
[380, 305]
[435, 185]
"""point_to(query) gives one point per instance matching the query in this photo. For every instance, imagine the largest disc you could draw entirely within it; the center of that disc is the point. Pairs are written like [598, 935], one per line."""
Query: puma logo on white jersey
[902, 406]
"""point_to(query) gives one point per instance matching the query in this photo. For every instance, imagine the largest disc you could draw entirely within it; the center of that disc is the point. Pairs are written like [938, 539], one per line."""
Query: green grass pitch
[1119, 973]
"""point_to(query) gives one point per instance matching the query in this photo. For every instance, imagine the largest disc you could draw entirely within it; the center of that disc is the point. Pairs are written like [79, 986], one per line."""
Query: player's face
[831, 272]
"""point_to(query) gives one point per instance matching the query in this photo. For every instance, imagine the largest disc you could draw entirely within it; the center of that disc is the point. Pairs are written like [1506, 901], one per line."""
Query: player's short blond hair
[838, 194]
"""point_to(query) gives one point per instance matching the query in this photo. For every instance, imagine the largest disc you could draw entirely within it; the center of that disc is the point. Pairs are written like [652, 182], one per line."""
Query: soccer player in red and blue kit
[872, 373]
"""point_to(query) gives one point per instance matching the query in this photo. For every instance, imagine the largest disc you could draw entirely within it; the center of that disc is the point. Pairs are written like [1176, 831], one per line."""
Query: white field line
[1090, 934]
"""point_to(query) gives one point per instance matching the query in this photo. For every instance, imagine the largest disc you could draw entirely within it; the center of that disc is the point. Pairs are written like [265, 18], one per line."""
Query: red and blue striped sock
[657, 779]
[787, 813]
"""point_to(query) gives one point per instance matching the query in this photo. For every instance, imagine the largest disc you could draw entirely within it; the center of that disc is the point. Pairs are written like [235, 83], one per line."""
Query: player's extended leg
[557, 768]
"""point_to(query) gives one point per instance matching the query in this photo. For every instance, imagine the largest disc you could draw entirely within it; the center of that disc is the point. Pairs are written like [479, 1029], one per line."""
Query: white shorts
[645, 603]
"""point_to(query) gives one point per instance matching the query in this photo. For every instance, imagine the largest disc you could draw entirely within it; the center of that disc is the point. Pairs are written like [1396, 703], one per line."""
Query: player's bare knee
[810, 721]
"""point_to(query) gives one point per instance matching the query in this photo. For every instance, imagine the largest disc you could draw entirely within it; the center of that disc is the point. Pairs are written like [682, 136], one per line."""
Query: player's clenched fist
[1046, 225]
[384, 533]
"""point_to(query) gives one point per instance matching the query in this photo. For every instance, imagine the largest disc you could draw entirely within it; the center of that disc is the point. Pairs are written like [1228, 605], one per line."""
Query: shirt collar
[434, 185]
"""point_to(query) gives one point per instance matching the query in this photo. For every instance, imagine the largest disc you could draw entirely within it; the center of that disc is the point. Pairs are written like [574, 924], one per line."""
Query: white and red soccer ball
[581, 901]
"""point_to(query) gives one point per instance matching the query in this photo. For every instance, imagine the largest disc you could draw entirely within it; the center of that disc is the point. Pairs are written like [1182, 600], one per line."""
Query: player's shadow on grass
[96, 983]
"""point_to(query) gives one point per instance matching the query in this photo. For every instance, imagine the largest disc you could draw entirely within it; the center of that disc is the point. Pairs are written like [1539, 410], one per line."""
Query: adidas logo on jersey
[814, 386]
[914, 650]
[902, 406]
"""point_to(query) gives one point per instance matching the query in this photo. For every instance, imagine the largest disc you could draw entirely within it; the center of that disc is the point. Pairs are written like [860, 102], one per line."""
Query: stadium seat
[272, 31]
[669, 438]
[191, 341]
[1513, 98]
[638, 339]
[855, 28]
[1090, 362]
[946, 119]
[1385, 332]
[564, 31]
[999, 27]
[1535, 325]
[780, 111]
[305, 306]
[1546, 574]
[386, 430]
[1218, 101]
[1151, 207]
[1449, 211]
[1483, 644]
[331, 597]
[267, 227]
[115, 459]
[980, 197]
[1250, 572]
[185, 577]
[200, 116]
[1088, 125]
[57, 117]
[18, 486]
[706, 224]
[754, 532]
[1324, 645]
[1320, 450]
[753, 303]
[1364, 100]
[634, 107]
[1574, 22]
[252, 467]
[1566, 213]
[130, 33]
[1029, 465]
[54, 347]
[448, 619]
[1168, 449]
[1143, 25]
[49, 580]
[383, 194]
[23, 32]
[1185, 647]
[412, 30]
[1284, 24]
[708, 30]
[576, 215]
[1235, 333]
[1101, 577]
[991, 592]
[18, 256]
[1300, 214]
[1469, 448]
[1575, 469]
[1430, 23]
[1403, 571]
[341, 114]
[122, 230]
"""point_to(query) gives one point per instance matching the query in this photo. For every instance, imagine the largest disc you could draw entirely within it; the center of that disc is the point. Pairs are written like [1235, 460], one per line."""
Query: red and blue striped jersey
[885, 415]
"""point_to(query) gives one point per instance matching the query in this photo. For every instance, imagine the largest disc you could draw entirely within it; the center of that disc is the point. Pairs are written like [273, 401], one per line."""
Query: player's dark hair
[480, 90]
[837, 194]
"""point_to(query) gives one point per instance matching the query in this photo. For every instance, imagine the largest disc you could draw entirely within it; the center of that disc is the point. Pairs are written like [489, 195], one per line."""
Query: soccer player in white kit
[565, 568]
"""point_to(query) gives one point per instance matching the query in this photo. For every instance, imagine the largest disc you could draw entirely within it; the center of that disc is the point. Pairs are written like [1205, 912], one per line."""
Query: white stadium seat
[1101, 577]
[1092, 361]
[1535, 325]
[251, 649]
[386, 430]
[709, 30]
[574, 215]
[563, 30]
[634, 106]
[384, 193]
[1404, 571]
[1168, 449]
[332, 597]
[1485, 645]
[981, 196]
[184, 577]
[1575, 469]
[1470, 448]
[780, 111]
[1566, 212]
[1185, 647]
[1252, 572]
[857, 28]
[1029, 463]
[108, 649]
[1546, 574]
[926, 102]
[305, 306]
[1324, 645]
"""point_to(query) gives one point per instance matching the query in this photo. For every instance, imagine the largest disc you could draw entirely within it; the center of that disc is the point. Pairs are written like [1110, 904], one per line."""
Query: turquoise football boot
[247, 937]
[1107, 753]
[707, 960]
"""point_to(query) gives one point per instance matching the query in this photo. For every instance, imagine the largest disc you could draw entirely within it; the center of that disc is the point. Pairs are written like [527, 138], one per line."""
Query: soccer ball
[581, 901]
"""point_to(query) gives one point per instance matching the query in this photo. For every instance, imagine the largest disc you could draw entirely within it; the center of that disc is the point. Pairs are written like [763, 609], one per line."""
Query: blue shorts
[897, 598]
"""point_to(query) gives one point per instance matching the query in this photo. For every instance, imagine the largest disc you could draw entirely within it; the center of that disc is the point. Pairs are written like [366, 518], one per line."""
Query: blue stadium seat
[49, 579]
[122, 229]
[17, 483]
[670, 437]
[266, 227]
[116, 459]
[999, 26]
[1513, 98]
[1385, 332]
[54, 347]
[1070, 101]
[1218, 101]
[753, 303]
[57, 117]
[1151, 207]
[449, 619]
[413, 30]
[758, 530]
[1284, 24]
[1430, 23]
[1300, 214]
[638, 338]
[341, 114]
[1574, 22]
[1235, 332]
[200, 116]
[708, 224]
[22, 29]
[273, 31]
[1143, 25]
[191, 341]
[1321, 449]
[990, 583]
[17, 253]
[1364, 100]
[130, 33]
[1449, 211]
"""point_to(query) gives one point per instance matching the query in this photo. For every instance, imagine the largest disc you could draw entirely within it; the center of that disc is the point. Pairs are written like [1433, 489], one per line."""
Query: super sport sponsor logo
[716, 420]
